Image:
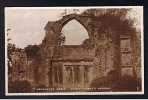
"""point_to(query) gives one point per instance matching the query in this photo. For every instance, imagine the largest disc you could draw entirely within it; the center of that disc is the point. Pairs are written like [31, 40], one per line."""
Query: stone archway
[71, 17]
[50, 44]
[74, 33]
[54, 28]
[52, 33]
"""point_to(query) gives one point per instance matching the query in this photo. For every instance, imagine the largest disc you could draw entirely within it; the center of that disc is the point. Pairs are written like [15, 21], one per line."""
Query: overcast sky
[27, 25]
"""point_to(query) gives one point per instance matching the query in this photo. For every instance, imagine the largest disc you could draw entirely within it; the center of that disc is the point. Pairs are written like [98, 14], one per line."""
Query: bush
[20, 87]
[116, 83]
[127, 83]
[105, 81]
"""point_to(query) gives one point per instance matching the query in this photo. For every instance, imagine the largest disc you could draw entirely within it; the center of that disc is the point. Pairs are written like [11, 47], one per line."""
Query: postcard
[96, 50]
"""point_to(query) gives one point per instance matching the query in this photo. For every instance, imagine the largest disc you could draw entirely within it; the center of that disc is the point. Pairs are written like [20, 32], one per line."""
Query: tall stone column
[116, 54]
[99, 59]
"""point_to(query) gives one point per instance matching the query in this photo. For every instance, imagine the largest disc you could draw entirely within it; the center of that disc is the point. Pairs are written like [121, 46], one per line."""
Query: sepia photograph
[94, 50]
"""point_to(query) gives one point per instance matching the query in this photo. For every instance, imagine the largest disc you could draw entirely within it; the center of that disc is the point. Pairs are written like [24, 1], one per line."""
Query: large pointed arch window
[74, 32]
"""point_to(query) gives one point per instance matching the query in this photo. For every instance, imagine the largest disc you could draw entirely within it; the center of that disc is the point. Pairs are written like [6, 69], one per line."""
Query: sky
[73, 31]
[27, 24]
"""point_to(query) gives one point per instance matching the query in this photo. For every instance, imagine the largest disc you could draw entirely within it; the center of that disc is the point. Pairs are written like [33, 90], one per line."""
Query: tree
[32, 51]
[10, 49]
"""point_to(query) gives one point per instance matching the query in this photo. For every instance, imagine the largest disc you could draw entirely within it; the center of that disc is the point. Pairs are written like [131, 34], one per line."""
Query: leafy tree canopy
[32, 51]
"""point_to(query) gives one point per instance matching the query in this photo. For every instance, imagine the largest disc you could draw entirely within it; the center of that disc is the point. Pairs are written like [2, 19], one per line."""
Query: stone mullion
[73, 75]
[116, 54]
[82, 75]
[133, 54]
[63, 70]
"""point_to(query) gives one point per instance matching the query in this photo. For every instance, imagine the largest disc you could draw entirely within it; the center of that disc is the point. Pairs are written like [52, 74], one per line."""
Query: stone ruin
[76, 66]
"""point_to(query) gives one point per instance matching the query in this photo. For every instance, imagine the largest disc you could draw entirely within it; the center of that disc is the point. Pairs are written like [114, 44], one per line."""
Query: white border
[78, 93]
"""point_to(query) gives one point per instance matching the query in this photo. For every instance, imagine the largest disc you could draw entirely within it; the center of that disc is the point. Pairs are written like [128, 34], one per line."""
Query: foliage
[113, 23]
[116, 21]
[32, 51]
[11, 49]
[61, 39]
[126, 83]
[112, 20]
[20, 87]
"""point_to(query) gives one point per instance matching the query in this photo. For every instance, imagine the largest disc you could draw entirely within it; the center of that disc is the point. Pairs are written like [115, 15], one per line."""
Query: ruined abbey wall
[78, 65]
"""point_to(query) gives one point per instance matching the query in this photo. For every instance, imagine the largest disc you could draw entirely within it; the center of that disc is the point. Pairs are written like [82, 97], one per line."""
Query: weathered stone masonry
[60, 59]
[70, 66]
